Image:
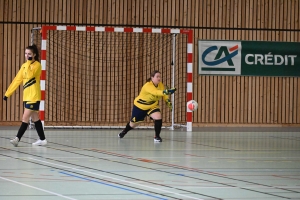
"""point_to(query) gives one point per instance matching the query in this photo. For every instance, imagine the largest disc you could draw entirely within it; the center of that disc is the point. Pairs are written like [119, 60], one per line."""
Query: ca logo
[228, 52]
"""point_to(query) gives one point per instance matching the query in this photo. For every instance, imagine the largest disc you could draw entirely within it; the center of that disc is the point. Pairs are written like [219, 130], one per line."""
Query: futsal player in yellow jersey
[29, 74]
[146, 104]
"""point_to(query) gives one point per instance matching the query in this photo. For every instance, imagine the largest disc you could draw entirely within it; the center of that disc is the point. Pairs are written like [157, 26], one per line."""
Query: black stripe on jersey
[141, 101]
[29, 83]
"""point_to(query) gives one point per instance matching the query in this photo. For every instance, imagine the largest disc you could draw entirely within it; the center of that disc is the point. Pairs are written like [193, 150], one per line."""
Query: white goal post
[90, 75]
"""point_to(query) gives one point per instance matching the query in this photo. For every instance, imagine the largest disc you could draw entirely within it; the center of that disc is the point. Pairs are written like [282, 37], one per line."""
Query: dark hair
[153, 74]
[34, 50]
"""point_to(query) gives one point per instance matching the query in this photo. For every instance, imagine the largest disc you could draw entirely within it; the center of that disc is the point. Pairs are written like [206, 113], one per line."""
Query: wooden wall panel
[223, 100]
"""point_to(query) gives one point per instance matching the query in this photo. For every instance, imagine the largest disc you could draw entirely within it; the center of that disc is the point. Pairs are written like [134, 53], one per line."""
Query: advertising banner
[249, 58]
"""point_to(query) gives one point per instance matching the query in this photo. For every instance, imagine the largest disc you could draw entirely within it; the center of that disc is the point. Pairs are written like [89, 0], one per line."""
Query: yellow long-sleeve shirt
[29, 74]
[150, 95]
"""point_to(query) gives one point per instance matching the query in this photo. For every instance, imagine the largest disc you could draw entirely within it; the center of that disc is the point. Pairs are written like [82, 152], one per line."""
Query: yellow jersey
[29, 74]
[150, 95]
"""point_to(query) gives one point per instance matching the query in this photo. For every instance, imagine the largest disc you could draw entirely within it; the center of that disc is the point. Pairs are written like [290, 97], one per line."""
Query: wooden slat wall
[223, 100]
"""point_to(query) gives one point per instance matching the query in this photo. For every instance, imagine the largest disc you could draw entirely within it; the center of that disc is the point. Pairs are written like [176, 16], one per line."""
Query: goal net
[91, 75]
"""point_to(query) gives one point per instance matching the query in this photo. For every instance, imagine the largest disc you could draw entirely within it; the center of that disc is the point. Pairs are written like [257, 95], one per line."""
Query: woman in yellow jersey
[29, 74]
[146, 104]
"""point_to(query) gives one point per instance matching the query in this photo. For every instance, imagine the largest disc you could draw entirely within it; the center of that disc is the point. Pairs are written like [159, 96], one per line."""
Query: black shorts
[138, 115]
[32, 105]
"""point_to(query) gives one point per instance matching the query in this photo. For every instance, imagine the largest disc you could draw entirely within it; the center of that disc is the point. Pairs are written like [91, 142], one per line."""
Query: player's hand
[169, 104]
[169, 91]
[5, 98]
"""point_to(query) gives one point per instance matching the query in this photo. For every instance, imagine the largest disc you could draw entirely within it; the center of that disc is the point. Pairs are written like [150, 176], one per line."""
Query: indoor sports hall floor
[209, 163]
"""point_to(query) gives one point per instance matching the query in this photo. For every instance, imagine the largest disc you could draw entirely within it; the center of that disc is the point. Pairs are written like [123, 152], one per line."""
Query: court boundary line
[26, 159]
[40, 189]
[116, 179]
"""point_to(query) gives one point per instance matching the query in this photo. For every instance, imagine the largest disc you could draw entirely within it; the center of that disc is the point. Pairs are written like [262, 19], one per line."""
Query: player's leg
[155, 114]
[39, 129]
[137, 116]
[127, 128]
[23, 127]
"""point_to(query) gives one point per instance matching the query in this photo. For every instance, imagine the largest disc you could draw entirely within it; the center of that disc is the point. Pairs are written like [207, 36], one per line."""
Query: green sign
[249, 58]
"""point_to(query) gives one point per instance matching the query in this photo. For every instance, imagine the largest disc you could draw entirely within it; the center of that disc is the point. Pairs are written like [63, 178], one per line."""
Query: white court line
[47, 191]
[116, 179]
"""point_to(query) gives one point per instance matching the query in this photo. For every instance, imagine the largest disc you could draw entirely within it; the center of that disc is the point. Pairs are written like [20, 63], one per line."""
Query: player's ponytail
[34, 50]
[152, 75]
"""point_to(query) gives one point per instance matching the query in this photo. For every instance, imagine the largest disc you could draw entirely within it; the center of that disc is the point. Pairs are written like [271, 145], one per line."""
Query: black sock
[157, 127]
[39, 128]
[127, 128]
[22, 130]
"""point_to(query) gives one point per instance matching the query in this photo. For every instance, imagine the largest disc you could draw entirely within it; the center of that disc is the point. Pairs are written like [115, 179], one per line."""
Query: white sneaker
[157, 139]
[40, 142]
[15, 141]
